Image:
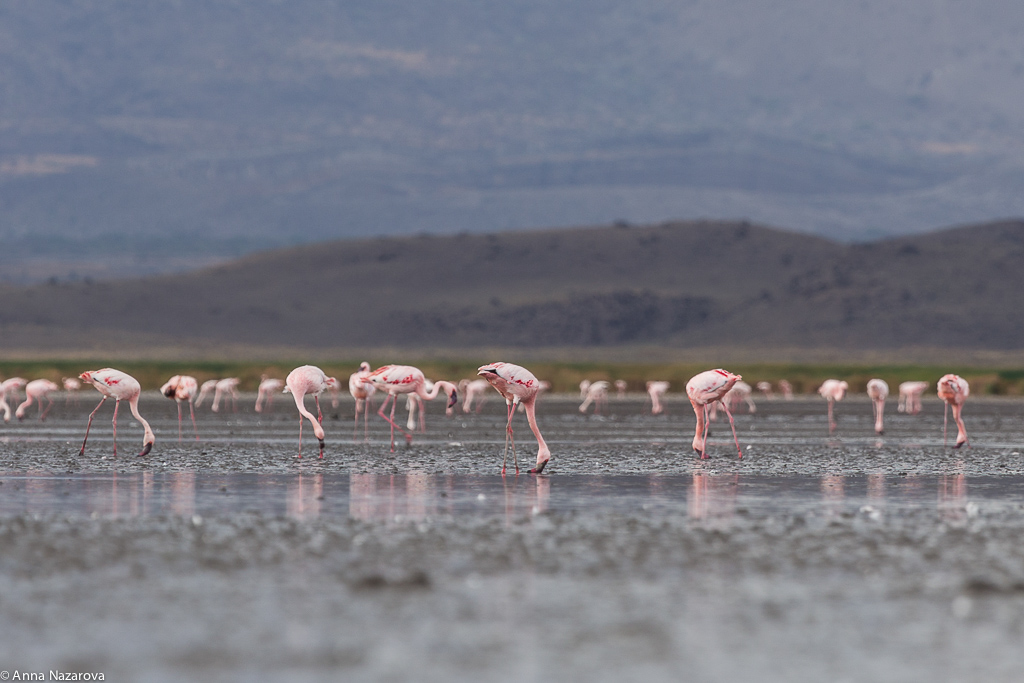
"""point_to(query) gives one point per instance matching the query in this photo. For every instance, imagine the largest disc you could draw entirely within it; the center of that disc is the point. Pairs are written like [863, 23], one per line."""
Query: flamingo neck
[148, 437]
[300, 404]
[543, 452]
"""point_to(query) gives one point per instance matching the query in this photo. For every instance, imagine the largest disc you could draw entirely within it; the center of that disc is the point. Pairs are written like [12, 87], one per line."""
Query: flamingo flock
[706, 392]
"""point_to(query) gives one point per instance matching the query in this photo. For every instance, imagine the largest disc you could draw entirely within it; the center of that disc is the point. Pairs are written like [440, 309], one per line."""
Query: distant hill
[692, 284]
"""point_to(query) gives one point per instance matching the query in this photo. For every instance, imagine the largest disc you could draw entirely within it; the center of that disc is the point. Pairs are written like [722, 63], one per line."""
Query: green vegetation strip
[564, 377]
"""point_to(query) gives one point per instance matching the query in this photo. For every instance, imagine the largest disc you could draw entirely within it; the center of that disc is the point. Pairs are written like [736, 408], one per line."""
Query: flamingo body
[37, 391]
[832, 390]
[954, 390]
[657, 390]
[910, 397]
[596, 393]
[265, 393]
[704, 390]
[395, 380]
[9, 389]
[878, 391]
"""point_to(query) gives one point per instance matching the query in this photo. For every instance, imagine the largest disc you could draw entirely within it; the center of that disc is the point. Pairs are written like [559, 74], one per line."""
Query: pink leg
[704, 445]
[300, 435]
[48, 406]
[945, 419]
[961, 437]
[391, 420]
[88, 426]
[355, 423]
[179, 420]
[733, 425]
[366, 418]
[117, 403]
[192, 414]
[831, 422]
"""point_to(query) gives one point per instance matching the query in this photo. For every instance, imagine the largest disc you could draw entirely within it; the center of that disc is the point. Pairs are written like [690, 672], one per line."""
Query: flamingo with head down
[518, 386]
[9, 390]
[303, 380]
[656, 390]
[832, 390]
[363, 394]
[406, 379]
[620, 388]
[265, 392]
[474, 391]
[37, 390]
[954, 390]
[704, 390]
[182, 388]
[878, 391]
[71, 388]
[119, 386]
[597, 393]
[910, 397]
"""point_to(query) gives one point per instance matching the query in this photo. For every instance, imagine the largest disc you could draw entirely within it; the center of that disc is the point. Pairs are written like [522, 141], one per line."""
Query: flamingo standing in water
[9, 389]
[228, 388]
[406, 379]
[182, 388]
[878, 391]
[740, 392]
[656, 390]
[71, 387]
[308, 379]
[518, 386]
[832, 390]
[473, 391]
[620, 388]
[786, 388]
[954, 390]
[37, 390]
[119, 386]
[704, 390]
[910, 397]
[265, 393]
[205, 389]
[362, 393]
[597, 393]
[766, 389]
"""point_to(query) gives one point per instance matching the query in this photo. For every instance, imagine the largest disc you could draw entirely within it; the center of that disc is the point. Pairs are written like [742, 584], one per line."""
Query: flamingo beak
[539, 468]
[453, 400]
[490, 371]
[146, 448]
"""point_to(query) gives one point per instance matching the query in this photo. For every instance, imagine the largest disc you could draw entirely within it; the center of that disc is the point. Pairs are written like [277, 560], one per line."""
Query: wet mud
[816, 557]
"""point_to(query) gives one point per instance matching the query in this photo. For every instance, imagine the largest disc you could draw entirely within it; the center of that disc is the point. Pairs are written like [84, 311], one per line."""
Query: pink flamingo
[910, 397]
[117, 385]
[766, 389]
[473, 391]
[265, 393]
[954, 390]
[787, 389]
[518, 386]
[334, 387]
[878, 391]
[37, 390]
[71, 388]
[228, 388]
[363, 394]
[308, 379]
[205, 389]
[740, 392]
[832, 390]
[597, 393]
[656, 390]
[182, 388]
[704, 390]
[9, 389]
[405, 379]
[620, 388]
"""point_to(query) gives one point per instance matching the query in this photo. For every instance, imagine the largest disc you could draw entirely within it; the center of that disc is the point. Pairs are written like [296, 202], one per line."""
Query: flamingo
[597, 393]
[37, 390]
[584, 385]
[117, 385]
[704, 390]
[473, 390]
[766, 389]
[787, 389]
[71, 386]
[334, 387]
[308, 379]
[226, 387]
[182, 388]
[878, 391]
[739, 393]
[656, 390]
[832, 390]
[954, 390]
[9, 389]
[405, 379]
[518, 386]
[910, 397]
[265, 394]
[362, 393]
[205, 389]
[620, 388]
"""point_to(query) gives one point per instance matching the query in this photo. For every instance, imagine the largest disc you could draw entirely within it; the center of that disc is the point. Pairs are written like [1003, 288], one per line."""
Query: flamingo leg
[319, 414]
[394, 403]
[831, 422]
[48, 406]
[960, 427]
[704, 443]
[300, 436]
[511, 435]
[508, 429]
[945, 419]
[366, 418]
[734, 438]
[355, 424]
[88, 426]
[117, 404]
[192, 414]
[179, 420]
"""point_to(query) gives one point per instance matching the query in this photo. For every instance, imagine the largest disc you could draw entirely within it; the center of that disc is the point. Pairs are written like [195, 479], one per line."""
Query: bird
[363, 394]
[9, 389]
[910, 397]
[832, 390]
[205, 388]
[406, 379]
[119, 386]
[334, 387]
[739, 393]
[656, 390]
[597, 393]
[786, 388]
[878, 391]
[182, 388]
[227, 387]
[265, 393]
[954, 390]
[704, 389]
[37, 390]
[518, 386]
[620, 388]
[71, 387]
[766, 389]
[308, 379]
[584, 385]
[473, 391]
